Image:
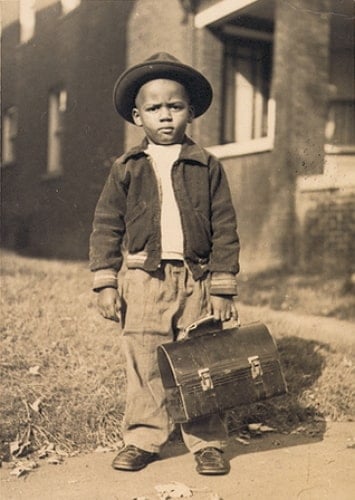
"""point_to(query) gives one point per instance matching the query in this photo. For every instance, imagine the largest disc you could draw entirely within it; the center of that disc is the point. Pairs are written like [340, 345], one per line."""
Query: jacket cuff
[223, 284]
[104, 278]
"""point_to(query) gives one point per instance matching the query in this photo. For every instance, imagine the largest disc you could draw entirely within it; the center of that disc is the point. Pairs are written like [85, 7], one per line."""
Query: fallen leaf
[23, 467]
[36, 406]
[254, 427]
[347, 362]
[118, 445]
[173, 490]
[317, 418]
[34, 370]
[242, 440]
[18, 472]
[61, 453]
[55, 460]
[266, 428]
[74, 453]
[42, 453]
[46, 450]
[104, 449]
[14, 447]
[30, 464]
[19, 449]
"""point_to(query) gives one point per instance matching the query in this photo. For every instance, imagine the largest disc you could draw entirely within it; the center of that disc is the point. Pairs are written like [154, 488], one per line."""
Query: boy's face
[163, 110]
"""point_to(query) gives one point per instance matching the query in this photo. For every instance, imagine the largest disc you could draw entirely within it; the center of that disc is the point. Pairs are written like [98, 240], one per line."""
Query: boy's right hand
[109, 303]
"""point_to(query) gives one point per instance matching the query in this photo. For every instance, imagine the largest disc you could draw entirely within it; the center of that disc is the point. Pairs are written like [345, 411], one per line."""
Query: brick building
[60, 130]
[282, 118]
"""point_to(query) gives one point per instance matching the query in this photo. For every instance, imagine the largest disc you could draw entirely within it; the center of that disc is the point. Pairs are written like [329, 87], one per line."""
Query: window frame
[69, 5]
[9, 135]
[27, 20]
[57, 107]
[233, 147]
[333, 147]
[218, 17]
[247, 79]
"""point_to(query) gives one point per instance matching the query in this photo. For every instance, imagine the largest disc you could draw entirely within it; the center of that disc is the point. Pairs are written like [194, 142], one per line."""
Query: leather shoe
[210, 461]
[131, 458]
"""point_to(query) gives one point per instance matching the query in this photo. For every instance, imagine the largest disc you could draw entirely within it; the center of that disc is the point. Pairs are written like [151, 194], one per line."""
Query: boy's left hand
[223, 307]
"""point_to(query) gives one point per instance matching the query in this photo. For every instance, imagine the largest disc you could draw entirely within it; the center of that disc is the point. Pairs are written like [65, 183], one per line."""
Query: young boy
[169, 200]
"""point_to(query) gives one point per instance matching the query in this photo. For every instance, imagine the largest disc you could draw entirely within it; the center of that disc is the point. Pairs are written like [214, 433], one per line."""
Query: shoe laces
[211, 451]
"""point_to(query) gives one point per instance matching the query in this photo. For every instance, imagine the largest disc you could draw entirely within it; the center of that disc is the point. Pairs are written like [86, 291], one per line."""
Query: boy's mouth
[166, 130]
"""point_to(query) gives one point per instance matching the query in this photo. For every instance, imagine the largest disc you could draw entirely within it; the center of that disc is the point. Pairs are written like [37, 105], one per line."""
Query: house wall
[263, 184]
[52, 216]
[325, 204]
[328, 223]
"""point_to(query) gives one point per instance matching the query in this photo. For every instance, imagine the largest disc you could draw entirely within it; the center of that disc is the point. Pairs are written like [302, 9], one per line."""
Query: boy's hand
[109, 303]
[223, 308]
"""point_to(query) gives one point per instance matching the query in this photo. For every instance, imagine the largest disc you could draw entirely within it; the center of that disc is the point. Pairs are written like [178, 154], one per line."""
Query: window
[27, 17]
[57, 106]
[340, 126]
[9, 135]
[68, 5]
[247, 90]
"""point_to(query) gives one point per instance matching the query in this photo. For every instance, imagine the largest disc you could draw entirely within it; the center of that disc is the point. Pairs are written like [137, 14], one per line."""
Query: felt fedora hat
[166, 66]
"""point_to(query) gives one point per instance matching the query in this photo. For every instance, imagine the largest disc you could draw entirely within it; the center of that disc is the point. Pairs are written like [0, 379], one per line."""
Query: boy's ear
[191, 114]
[136, 117]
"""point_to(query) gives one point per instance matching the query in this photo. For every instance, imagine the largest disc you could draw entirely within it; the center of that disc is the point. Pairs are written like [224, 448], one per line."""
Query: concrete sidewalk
[272, 467]
[320, 328]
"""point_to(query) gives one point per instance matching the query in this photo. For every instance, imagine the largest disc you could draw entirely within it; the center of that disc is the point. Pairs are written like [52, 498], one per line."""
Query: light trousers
[159, 306]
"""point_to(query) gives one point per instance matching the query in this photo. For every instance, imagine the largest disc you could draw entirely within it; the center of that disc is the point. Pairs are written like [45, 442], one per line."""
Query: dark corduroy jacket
[129, 208]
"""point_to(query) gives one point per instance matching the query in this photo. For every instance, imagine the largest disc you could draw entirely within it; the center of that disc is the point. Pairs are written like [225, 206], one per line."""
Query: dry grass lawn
[63, 374]
[59, 356]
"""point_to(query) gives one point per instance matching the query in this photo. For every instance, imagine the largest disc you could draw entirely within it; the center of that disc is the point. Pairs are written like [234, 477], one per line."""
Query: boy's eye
[152, 108]
[176, 106]
[173, 106]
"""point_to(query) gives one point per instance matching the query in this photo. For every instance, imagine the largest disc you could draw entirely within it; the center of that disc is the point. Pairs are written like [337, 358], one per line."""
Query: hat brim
[129, 83]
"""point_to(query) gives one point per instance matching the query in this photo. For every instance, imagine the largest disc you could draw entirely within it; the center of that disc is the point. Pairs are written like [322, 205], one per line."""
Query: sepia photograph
[177, 256]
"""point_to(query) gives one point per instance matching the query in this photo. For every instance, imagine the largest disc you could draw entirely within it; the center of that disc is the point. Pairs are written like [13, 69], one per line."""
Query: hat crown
[163, 57]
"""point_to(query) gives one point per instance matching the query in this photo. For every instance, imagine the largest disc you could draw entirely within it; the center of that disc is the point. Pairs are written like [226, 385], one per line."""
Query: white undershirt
[172, 241]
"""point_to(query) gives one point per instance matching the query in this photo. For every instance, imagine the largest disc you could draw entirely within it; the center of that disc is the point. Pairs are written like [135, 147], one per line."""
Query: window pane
[9, 135]
[56, 108]
[68, 5]
[244, 101]
[340, 127]
[27, 19]
[247, 83]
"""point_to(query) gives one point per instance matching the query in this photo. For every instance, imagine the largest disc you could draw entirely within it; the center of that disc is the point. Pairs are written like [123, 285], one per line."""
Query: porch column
[300, 89]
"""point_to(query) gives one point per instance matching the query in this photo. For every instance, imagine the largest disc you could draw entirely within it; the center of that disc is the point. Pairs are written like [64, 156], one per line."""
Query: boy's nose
[165, 113]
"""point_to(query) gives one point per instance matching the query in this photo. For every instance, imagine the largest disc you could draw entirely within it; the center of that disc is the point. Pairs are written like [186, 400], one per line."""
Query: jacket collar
[190, 152]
